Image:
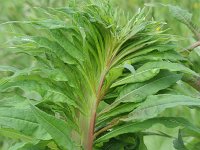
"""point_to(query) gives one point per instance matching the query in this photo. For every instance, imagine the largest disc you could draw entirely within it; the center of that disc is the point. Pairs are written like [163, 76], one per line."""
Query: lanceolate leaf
[50, 23]
[137, 77]
[137, 95]
[11, 133]
[39, 85]
[67, 45]
[116, 111]
[134, 127]
[184, 88]
[155, 104]
[50, 47]
[167, 66]
[185, 17]
[180, 14]
[158, 56]
[150, 87]
[60, 131]
[22, 120]
[14, 101]
[8, 68]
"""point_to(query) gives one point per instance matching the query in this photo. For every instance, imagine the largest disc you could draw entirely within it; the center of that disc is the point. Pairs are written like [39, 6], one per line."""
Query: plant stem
[93, 112]
[113, 123]
[91, 129]
[196, 44]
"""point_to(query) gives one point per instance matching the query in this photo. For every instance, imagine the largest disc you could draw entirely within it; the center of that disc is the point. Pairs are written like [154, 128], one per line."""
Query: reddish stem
[91, 131]
[193, 46]
[93, 116]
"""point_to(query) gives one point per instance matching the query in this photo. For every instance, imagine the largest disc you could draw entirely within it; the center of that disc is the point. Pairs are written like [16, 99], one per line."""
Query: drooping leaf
[158, 56]
[185, 17]
[23, 121]
[137, 77]
[185, 89]
[39, 85]
[60, 131]
[180, 14]
[116, 111]
[69, 47]
[11, 133]
[133, 127]
[155, 104]
[167, 66]
[128, 94]
[49, 47]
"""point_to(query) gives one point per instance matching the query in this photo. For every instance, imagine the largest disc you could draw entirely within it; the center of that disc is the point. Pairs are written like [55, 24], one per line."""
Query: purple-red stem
[93, 116]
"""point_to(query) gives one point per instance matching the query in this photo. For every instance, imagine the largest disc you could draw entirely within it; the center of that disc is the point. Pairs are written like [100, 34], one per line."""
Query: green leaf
[116, 111]
[60, 131]
[22, 120]
[48, 46]
[40, 85]
[151, 87]
[142, 145]
[158, 56]
[185, 17]
[69, 47]
[167, 66]
[155, 104]
[8, 68]
[134, 127]
[54, 74]
[180, 14]
[11, 133]
[129, 67]
[128, 94]
[183, 88]
[178, 143]
[50, 23]
[14, 101]
[137, 77]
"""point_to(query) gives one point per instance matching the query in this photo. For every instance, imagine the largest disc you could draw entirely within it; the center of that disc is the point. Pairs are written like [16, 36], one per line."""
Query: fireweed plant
[100, 78]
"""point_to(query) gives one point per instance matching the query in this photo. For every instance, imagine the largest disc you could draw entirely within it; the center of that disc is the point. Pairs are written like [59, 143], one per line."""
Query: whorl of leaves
[100, 77]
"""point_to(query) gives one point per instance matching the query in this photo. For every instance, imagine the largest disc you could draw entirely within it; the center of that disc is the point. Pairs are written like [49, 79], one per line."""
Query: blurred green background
[22, 10]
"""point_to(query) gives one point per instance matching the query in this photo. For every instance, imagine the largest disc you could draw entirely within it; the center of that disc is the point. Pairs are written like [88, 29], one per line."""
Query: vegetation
[99, 78]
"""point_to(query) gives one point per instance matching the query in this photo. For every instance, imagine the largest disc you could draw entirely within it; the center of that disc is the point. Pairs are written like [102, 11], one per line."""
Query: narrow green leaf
[183, 88]
[15, 135]
[128, 94]
[133, 127]
[22, 120]
[137, 77]
[167, 66]
[158, 56]
[40, 85]
[155, 104]
[14, 101]
[50, 23]
[60, 131]
[8, 68]
[69, 47]
[48, 46]
[124, 108]
[151, 87]
[180, 14]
